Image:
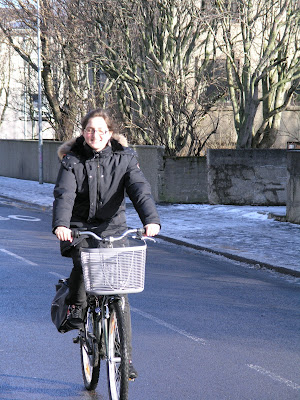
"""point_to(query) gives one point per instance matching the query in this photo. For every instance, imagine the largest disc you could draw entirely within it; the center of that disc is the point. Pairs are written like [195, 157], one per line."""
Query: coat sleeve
[64, 197]
[139, 192]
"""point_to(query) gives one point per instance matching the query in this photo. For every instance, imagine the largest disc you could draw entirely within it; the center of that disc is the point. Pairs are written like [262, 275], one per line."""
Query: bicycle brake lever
[145, 238]
[150, 238]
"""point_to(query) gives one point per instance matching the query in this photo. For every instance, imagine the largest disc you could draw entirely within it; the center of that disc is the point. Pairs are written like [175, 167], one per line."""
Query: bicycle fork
[107, 316]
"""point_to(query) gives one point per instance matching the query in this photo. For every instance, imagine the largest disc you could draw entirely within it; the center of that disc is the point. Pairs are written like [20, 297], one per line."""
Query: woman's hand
[152, 229]
[63, 233]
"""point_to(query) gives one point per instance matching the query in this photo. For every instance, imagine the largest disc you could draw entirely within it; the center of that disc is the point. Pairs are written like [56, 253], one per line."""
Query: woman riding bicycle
[96, 170]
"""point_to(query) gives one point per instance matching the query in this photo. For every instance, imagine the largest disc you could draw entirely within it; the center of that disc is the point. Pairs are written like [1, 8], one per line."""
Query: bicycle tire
[89, 353]
[117, 362]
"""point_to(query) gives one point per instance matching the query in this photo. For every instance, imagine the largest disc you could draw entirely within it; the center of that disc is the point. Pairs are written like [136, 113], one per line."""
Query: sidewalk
[243, 233]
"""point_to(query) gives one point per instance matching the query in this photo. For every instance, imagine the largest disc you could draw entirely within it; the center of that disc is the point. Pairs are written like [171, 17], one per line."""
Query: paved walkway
[244, 233]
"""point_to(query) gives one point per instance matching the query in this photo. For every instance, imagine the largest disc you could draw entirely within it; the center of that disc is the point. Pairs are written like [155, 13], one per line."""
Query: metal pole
[39, 95]
[24, 111]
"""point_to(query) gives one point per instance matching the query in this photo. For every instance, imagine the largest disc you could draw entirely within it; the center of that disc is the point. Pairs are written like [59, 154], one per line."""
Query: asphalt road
[205, 328]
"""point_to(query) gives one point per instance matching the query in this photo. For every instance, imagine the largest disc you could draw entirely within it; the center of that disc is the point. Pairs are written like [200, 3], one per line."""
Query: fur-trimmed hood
[117, 142]
[90, 189]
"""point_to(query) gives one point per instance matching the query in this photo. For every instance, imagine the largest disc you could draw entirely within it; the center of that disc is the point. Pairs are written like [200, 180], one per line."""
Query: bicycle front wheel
[117, 362]
[89, 352]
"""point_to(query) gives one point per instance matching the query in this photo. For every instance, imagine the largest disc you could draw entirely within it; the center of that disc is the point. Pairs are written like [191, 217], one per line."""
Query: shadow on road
[16, 387]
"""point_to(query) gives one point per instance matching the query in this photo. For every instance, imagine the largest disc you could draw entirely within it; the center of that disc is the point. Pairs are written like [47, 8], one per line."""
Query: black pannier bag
[59, 308]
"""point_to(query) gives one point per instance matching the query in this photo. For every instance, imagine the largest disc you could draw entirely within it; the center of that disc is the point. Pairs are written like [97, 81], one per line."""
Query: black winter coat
[90, 188]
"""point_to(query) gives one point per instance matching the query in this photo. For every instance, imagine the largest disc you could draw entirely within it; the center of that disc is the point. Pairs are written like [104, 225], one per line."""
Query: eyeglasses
[93, 130]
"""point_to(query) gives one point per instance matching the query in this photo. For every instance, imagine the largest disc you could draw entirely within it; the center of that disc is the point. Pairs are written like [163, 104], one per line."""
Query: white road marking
[273, 376]
[169, 326]
[18, 257]
[58, 275]
[24, 218]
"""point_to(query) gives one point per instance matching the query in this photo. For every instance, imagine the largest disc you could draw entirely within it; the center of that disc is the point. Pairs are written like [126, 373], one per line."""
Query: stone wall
[247, 177]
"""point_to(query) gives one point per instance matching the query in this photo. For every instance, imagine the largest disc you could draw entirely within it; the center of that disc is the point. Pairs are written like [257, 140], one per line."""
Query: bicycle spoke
[117, 365]
[90, 363]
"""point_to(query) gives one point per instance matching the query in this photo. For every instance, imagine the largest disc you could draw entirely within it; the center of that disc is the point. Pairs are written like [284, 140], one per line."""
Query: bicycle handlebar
[139, 234]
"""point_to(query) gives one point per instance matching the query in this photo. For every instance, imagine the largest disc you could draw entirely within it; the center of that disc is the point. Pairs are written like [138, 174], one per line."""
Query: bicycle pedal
[76, 339]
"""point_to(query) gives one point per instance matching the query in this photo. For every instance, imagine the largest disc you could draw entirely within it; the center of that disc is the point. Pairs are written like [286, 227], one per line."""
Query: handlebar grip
[140, 231]
[75, 233]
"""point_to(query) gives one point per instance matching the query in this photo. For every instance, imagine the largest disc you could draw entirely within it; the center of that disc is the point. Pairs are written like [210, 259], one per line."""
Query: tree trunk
[270, 133]
[245, 134]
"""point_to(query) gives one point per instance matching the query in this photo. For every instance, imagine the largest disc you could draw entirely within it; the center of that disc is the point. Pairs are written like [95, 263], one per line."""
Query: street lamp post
[39, 95]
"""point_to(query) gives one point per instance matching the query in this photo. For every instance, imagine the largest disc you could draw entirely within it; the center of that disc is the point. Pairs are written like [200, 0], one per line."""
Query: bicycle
[109, 273]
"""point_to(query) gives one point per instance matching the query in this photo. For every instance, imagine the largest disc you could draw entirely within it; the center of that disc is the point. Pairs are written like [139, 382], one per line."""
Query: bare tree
[152, 58]
[17, 89]
[59, 73]
[5, 74]
[260, 41]
[148, 60]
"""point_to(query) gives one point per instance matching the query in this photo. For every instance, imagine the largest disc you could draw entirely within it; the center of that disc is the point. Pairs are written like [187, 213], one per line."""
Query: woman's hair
[99, 112]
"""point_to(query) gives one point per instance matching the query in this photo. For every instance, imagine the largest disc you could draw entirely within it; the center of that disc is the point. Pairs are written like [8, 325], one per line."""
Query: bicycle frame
[104, 335]
[101, 310]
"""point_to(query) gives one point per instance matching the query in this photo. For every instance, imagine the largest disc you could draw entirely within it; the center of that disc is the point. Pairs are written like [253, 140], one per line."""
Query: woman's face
[96, 133]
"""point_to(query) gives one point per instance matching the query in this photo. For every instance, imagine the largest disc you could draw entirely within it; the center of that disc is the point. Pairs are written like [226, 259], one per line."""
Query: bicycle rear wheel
[89, 353]
[117, 362]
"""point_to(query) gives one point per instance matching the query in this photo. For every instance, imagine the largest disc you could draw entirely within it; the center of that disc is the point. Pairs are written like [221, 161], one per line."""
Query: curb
[277, 217]
[230, 256]
[27, 204]
[282, 270]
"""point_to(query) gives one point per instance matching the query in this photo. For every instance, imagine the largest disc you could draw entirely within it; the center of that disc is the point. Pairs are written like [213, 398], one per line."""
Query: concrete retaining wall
[184, 180]
[242, 177]
[151, 162]
[19, 159]
[247, 177]
[293, 187]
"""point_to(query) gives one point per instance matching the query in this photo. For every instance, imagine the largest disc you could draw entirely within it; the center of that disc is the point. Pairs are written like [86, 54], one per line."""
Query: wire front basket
[114, 270]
